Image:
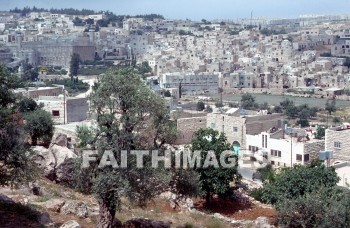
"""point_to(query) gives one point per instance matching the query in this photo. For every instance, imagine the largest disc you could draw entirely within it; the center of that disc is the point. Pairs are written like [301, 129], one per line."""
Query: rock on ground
[75, 207]
[54, 205]
[70, 224]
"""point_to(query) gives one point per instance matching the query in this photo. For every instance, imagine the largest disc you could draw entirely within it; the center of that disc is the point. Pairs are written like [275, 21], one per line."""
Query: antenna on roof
[251, 20]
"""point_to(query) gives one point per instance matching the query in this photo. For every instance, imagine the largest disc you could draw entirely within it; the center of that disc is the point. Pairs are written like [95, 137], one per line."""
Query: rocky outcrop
[54, 205]
[70, 224]
[75, 207]
[60, 140]
[56, 162]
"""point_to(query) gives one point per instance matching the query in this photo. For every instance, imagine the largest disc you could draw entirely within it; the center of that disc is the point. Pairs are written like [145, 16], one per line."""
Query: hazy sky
[197, 9]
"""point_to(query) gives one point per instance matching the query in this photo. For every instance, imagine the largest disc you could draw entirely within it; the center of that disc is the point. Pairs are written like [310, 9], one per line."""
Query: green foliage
[200, 106]
[320, 132]
[278, 109]
[16, 165]
[39, 125]
[303, 122]
[268, 32]
[74, 64]
[248, 101]
[78, 22]
[264, 106]
[330, 107]
[85, 134]
[144, 68]
[73, 87]
[214, 180]
[167, 93]
[144, 123]
[27, 105]
[347, 92]
[326, 207]
[290, 183]
[266, 173]
[337, 120]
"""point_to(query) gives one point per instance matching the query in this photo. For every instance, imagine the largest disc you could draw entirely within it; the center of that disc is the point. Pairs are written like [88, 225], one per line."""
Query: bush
[200, 106]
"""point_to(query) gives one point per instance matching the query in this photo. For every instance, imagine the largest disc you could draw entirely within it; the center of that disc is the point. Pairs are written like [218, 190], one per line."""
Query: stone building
[35, 93]
[55, 52]
[65, 110]
[337, 140]
[237, 126]
[192, 83]
[187, 126]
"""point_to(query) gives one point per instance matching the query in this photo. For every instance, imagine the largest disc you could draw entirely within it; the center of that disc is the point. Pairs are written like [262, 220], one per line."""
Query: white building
[281, 150]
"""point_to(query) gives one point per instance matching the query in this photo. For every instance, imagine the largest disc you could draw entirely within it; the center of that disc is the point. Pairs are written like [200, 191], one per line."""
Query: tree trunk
[106, 215]
[207, 198]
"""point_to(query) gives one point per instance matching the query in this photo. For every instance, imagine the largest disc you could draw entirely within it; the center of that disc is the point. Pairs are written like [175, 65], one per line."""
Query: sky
[196, 9]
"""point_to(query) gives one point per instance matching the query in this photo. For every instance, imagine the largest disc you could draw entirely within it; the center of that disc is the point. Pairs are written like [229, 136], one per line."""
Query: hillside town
[278, 89]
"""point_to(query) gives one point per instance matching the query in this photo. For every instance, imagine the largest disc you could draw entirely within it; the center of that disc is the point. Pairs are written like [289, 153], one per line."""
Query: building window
[235, 129]
[223, 128]
[306, 157]
[55, 113]
[299, 157]
[276, 153]
[272, 162]
[337, 145]
[213, 125]
[253, 148]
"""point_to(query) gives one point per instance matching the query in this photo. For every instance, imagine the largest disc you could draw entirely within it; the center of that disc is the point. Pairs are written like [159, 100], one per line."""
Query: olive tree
[129, 116]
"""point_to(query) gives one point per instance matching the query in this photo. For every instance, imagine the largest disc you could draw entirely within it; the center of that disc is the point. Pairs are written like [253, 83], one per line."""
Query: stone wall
[343, 137]
[313, 149]
[187, 126]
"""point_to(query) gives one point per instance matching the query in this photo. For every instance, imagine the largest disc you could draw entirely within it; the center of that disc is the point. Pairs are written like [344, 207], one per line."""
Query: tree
[278, 109]
[325, 207]
[214, 180]
[248, 101]
[291, 183]
[286, 103]
[200, 106]
[27, 105]
[303, 122]
[167, 93]
[320, 132]
[330, 107]
[39, 125]
[15, 156]
[74, 65]
[144, 123]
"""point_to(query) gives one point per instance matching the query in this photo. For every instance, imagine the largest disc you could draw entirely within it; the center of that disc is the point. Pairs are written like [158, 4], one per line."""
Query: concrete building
[65, 110]
[281, 150]
[337, 140]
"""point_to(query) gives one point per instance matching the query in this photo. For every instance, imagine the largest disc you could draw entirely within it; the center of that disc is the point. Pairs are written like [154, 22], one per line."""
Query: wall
[187, 126]
[77, 109]
[343, 137]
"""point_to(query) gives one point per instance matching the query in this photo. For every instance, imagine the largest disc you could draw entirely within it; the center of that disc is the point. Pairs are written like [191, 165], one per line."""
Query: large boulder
[59, 139]
[75, 207]
[54, 205]
[70, 224]
[64, 164]
[145, 223]
[56, 163]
